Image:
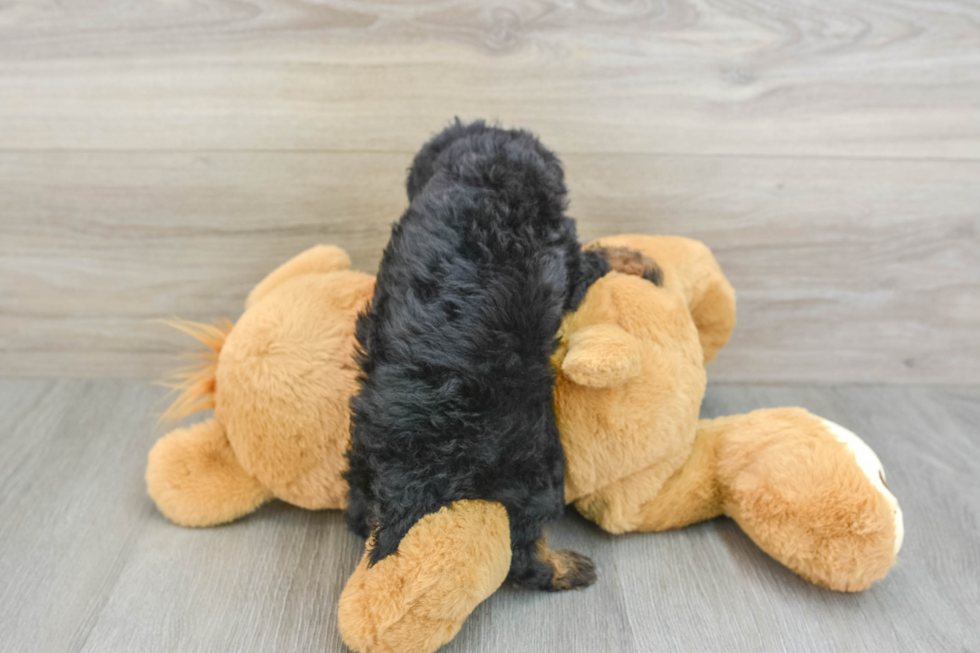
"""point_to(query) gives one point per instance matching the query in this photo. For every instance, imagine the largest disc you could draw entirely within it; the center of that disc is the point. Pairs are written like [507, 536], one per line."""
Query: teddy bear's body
[630, 379]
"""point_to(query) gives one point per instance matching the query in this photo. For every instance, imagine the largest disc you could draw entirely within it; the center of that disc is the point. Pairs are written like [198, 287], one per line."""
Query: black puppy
[456, 389]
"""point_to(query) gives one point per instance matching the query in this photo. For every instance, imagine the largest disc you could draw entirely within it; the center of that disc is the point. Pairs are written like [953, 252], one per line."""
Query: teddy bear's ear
[713, 309]
[602, 356]
[320, 258]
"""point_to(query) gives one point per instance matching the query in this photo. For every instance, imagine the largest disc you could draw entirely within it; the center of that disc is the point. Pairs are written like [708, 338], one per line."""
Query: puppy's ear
[602, 356]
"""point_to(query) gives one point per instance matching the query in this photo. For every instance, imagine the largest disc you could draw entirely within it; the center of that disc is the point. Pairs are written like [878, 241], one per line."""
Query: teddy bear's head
[279, 381]
[630, 363]
[283, 381]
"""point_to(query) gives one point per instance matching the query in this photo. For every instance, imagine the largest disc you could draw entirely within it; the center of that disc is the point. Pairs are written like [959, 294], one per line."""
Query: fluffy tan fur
[279, 382]
[796, 491]
[195, 479]
[417, 600]
[294, 348]
[649, 416]
[316, 260]
[691, 272]
[785, 479]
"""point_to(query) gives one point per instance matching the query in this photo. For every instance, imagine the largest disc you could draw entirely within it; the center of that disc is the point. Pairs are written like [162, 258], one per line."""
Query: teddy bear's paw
[868, 461]
[812, 495]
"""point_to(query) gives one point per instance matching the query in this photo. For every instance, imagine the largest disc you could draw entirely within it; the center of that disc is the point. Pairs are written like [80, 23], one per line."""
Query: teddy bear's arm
[195, 479]
[320, 258]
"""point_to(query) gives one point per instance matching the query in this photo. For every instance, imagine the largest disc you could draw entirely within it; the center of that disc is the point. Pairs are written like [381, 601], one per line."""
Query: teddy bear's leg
[417, 600]
[194, 478]
[319, 258]
[811, 494]
[808, 492]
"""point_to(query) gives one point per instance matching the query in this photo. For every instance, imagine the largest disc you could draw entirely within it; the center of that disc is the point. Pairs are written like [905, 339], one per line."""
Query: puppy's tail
[195, 384]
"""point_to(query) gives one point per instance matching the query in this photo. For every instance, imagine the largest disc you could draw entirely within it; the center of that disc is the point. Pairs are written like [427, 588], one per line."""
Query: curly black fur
[456, 389]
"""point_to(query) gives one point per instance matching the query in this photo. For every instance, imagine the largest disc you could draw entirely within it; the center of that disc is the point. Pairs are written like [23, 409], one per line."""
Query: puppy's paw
[571, 571]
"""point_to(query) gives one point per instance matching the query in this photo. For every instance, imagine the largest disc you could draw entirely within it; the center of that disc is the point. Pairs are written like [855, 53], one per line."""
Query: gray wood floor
[87, 564]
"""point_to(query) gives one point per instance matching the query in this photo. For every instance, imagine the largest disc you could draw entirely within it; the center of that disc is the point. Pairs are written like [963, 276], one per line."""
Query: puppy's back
[456, 395]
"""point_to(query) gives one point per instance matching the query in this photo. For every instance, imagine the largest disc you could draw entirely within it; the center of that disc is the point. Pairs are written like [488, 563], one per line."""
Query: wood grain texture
[89, 565]
[100, 245]
[881, 77]
[159, 157]
[846, 270]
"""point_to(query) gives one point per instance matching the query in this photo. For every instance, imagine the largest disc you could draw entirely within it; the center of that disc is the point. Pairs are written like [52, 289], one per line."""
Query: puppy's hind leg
[358, 513]
[537, 566]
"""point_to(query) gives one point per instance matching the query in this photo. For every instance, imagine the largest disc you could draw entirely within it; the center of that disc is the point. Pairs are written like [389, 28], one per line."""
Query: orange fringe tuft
[196, 383]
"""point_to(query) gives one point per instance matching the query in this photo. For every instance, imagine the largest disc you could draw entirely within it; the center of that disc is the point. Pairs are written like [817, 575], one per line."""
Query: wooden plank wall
[158, 157]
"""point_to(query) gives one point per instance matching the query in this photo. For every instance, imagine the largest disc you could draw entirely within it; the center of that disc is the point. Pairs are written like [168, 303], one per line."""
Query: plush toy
[279, 382]
[629, 388]
[629, 383]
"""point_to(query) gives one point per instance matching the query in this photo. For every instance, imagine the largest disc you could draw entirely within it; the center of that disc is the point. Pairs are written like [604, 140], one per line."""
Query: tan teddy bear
[630, 379]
